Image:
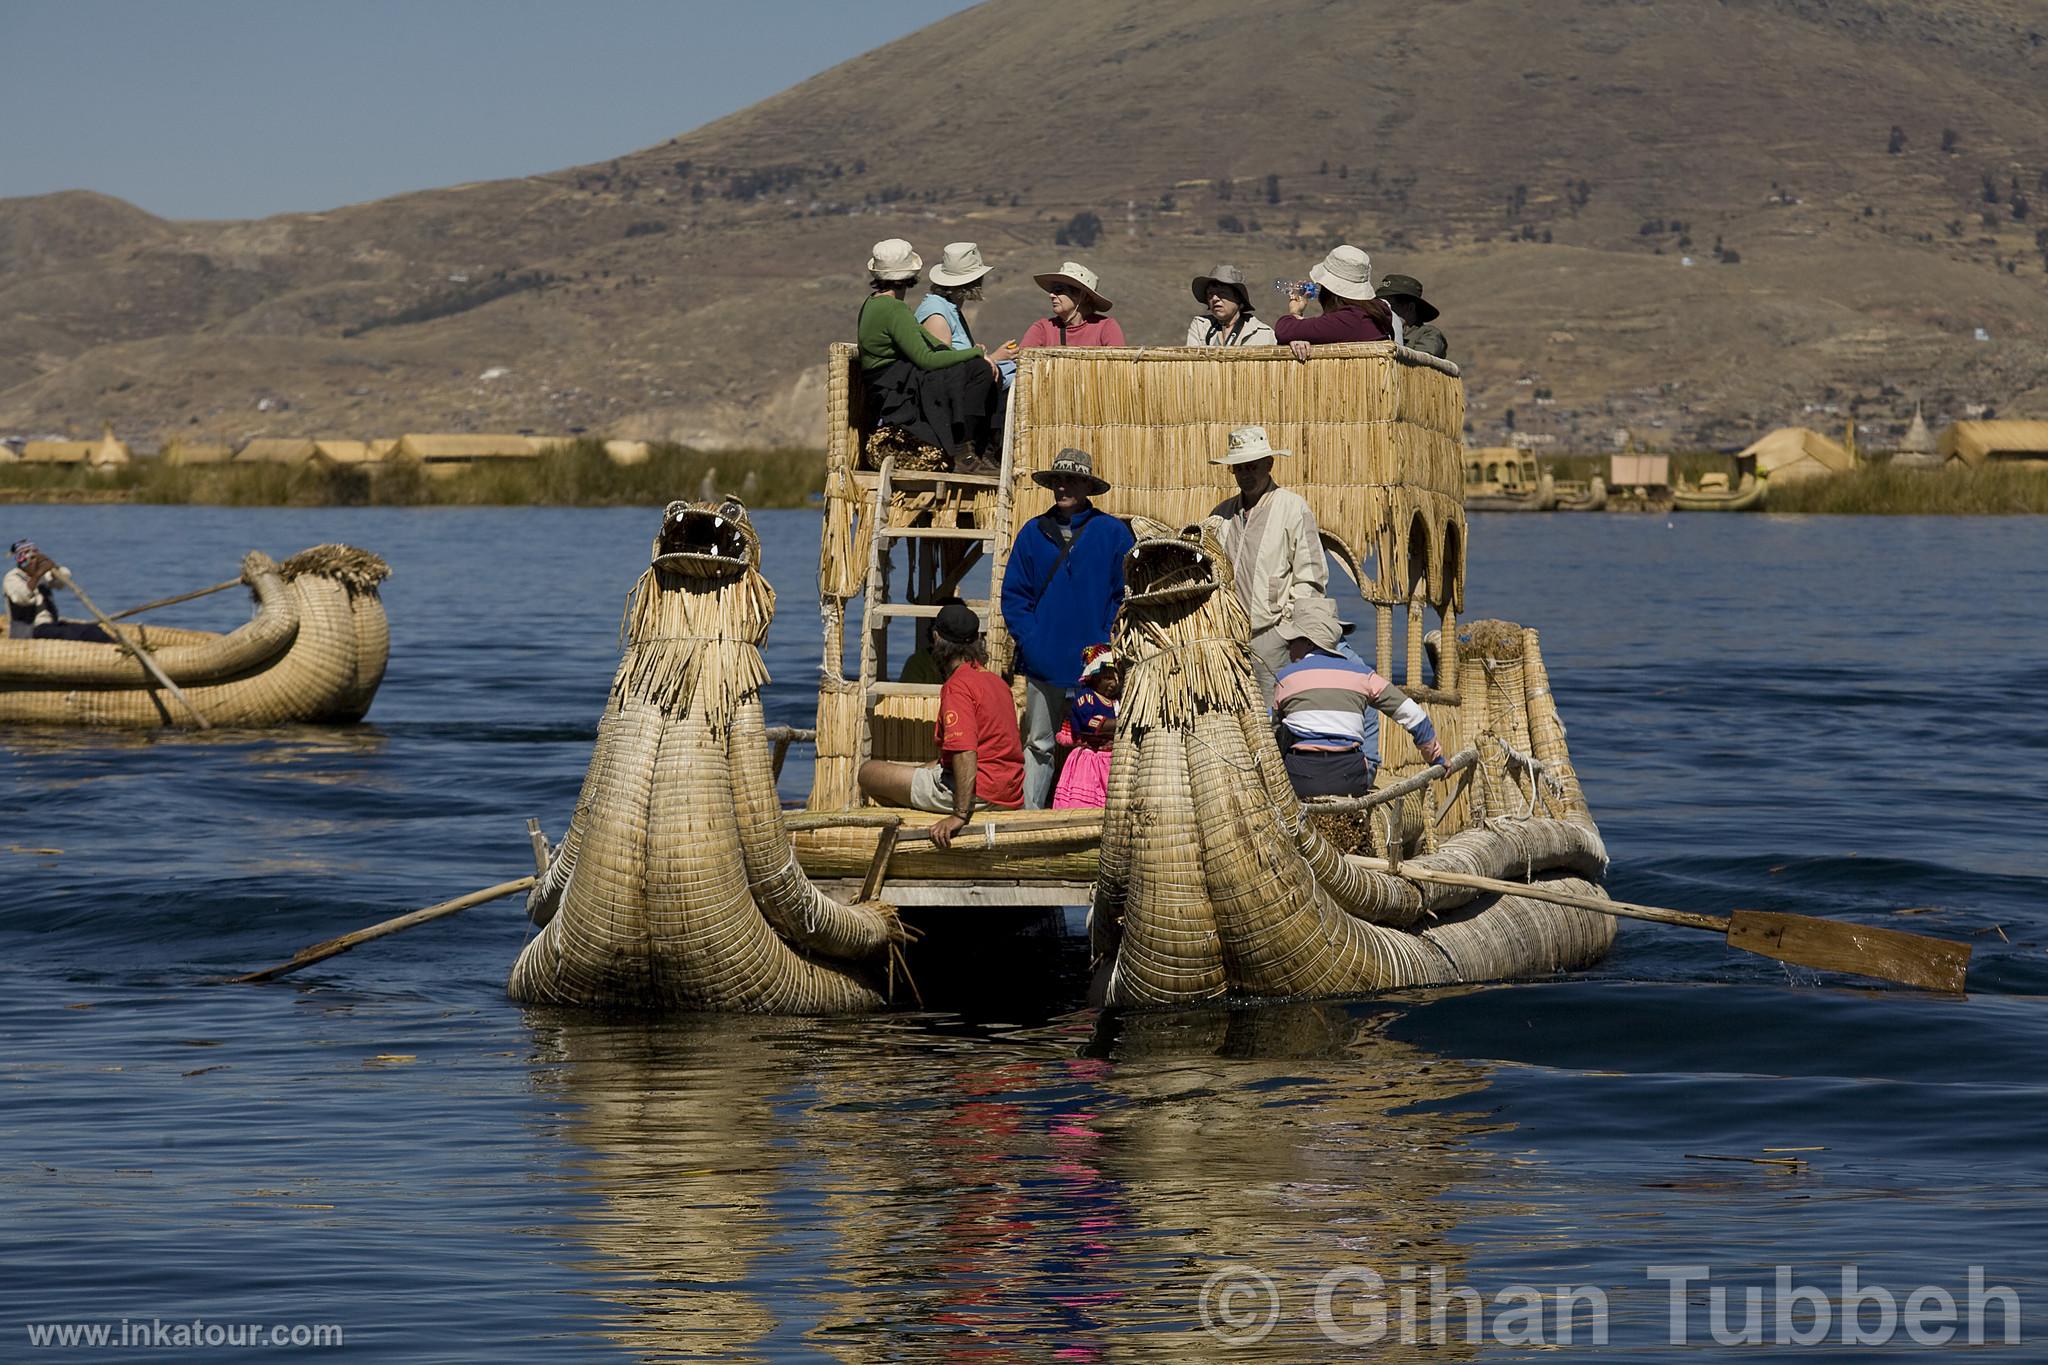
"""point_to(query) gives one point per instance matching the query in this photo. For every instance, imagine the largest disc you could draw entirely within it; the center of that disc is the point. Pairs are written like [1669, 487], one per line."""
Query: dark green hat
[1407, 287]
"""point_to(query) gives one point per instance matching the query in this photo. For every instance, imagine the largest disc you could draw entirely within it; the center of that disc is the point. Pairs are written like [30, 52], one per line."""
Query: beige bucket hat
[1248, 444]
[895, 259]
[1345, 272]
[960, 265]
[1315, 620]
[1082, 278]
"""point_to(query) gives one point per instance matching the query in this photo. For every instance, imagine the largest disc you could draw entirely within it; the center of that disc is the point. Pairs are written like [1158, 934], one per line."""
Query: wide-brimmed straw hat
[1248, 444]
[1081, 278]
[960, 265]
[1228, 277]
[1407, 287]
[1315, 620]
[1072, 464]
[1345, 272]
[895, 259]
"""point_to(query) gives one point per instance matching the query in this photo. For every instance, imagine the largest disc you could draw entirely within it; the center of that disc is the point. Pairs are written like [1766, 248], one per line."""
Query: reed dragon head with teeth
[1181, 621]
[698, 615]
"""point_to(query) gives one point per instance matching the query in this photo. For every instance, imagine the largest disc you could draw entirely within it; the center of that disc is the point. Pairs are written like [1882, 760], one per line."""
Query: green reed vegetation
[575, 475]
[1880, 490]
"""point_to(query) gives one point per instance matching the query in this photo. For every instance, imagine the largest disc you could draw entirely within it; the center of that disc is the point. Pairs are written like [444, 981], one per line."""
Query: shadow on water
[755, 1195]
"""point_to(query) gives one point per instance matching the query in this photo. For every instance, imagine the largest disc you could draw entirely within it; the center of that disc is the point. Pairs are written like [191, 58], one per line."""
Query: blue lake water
[1841, 717]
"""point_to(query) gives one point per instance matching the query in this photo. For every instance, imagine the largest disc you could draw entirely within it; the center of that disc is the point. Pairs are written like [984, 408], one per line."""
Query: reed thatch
[314, 651]
[284, 450]
[676, 886]
[2020, 441]
[183, 452]
[1790, 454]
[1213, 883]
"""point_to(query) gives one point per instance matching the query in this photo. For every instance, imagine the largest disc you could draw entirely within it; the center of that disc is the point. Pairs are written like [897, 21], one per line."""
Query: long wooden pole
[132, 646]
[173, 601]
[1345, 804]
[333, 947]
[1934, 964]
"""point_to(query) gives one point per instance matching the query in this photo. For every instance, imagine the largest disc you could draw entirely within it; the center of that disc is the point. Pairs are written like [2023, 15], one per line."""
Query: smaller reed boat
[1507, 480]
[314, 651]
[1715, 492]
[1589, 495]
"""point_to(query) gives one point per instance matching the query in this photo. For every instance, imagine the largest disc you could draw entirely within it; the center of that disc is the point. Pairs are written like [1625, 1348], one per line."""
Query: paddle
[63, 575]
[173, 601]
[1832, 945]
[332, 947]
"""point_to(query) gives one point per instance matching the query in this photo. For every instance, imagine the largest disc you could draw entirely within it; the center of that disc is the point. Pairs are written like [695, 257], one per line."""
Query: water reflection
[769, 1186]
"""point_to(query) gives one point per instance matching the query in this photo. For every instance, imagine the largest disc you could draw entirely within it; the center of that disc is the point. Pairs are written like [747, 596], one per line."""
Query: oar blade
[1933, 964]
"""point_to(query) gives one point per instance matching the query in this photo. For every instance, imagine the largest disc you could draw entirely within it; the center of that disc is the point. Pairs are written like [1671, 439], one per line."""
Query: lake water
[1838, 717]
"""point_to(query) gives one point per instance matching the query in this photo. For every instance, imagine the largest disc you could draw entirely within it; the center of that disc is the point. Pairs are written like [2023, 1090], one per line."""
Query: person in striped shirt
[1329, 704]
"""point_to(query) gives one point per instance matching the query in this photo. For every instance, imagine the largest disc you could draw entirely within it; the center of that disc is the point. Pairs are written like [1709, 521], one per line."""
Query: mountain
[1691, 220]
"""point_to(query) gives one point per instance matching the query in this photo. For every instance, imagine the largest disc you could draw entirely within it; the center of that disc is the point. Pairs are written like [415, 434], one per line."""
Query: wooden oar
[332, 947]
[134, 647]
[1833, 945]
[173, 601]
[1344, 805]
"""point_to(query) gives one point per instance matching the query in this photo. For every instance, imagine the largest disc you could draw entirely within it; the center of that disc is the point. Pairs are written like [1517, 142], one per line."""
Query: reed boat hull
[314, 652]
[1747, 498]
[1509, 502]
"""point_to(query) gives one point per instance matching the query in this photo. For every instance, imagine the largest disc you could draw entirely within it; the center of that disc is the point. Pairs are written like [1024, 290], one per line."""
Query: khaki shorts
[931, 788]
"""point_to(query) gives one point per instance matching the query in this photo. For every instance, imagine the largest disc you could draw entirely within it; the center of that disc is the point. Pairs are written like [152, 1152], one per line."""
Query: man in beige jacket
[1275, 549]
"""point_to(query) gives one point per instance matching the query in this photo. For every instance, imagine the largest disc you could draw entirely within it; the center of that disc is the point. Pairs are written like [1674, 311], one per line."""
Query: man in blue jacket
[1061, 590]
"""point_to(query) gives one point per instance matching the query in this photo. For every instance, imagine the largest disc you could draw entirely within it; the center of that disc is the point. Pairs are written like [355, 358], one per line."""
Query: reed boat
[1715, 493]
[683, 883]
[1507, 480]
[314, 650]
[1575, 495]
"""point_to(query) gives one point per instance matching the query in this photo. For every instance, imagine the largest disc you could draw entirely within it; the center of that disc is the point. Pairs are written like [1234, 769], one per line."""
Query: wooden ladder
[937, 572]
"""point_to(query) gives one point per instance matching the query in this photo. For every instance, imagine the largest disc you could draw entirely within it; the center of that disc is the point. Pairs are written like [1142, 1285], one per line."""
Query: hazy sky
[241, 108]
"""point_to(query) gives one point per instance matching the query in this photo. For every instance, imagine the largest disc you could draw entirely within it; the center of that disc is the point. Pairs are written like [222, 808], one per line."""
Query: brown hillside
[1544, 168]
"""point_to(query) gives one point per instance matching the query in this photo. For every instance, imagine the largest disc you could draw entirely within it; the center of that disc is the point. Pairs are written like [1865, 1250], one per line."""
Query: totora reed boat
[683, 883]
[314, 650]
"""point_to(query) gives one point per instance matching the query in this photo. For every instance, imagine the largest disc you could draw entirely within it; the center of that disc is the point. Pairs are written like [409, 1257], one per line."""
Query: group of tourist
[924, 373]
[1060, 593]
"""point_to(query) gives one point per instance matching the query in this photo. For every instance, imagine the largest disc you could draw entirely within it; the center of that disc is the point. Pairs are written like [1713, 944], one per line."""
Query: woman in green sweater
[942, 397]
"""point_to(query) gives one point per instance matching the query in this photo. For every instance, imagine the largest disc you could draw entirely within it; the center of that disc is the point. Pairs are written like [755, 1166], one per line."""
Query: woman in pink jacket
[1077, 311]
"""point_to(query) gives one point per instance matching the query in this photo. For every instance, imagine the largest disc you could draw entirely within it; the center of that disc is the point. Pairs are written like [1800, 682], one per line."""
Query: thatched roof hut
[1793, 453]
[445, 455]
[328, 450]
[286, 450]
[58, 452]
[627, 452]
[109, 451]
[8, 454]
[180, 451]
[2023, 441]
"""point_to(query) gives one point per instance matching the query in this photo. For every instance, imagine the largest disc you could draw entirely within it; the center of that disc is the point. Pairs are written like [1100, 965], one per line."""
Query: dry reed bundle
[676, 886]
[1212, 881]
[314, 651]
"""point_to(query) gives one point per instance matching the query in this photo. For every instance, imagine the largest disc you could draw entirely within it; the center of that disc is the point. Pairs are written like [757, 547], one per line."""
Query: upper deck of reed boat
[1376, 434]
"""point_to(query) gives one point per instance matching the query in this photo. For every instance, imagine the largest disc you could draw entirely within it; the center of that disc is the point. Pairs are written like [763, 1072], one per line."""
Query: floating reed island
[682, 882]
[313, 650]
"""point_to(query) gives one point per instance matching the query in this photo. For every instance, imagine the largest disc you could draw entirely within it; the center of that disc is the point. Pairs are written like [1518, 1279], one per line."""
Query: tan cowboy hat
[1248, 444]
[1345, 272]
[961, 265]
[894, 259]
[1074, 464]
[1079, 276]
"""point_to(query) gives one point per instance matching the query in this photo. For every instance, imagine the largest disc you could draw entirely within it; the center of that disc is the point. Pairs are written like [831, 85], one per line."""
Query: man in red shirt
[981, 760]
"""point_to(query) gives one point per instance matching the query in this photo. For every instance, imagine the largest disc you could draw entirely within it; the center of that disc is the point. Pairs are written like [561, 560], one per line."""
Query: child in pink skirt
[1091, 721]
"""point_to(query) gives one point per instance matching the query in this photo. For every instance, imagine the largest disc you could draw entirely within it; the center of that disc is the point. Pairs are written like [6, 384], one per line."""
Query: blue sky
[241, 108]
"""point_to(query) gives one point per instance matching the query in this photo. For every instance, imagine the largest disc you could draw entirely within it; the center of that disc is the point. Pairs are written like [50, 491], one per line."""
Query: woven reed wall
[1376, 436]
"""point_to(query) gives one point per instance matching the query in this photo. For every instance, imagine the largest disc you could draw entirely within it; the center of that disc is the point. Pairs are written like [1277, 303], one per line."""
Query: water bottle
[1306, 288]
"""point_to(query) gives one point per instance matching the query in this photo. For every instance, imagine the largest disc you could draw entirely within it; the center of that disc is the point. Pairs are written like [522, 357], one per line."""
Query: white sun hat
[1248, 444]
[961, 265]
[894, 259]
[1345, 272]
[1079, 276]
